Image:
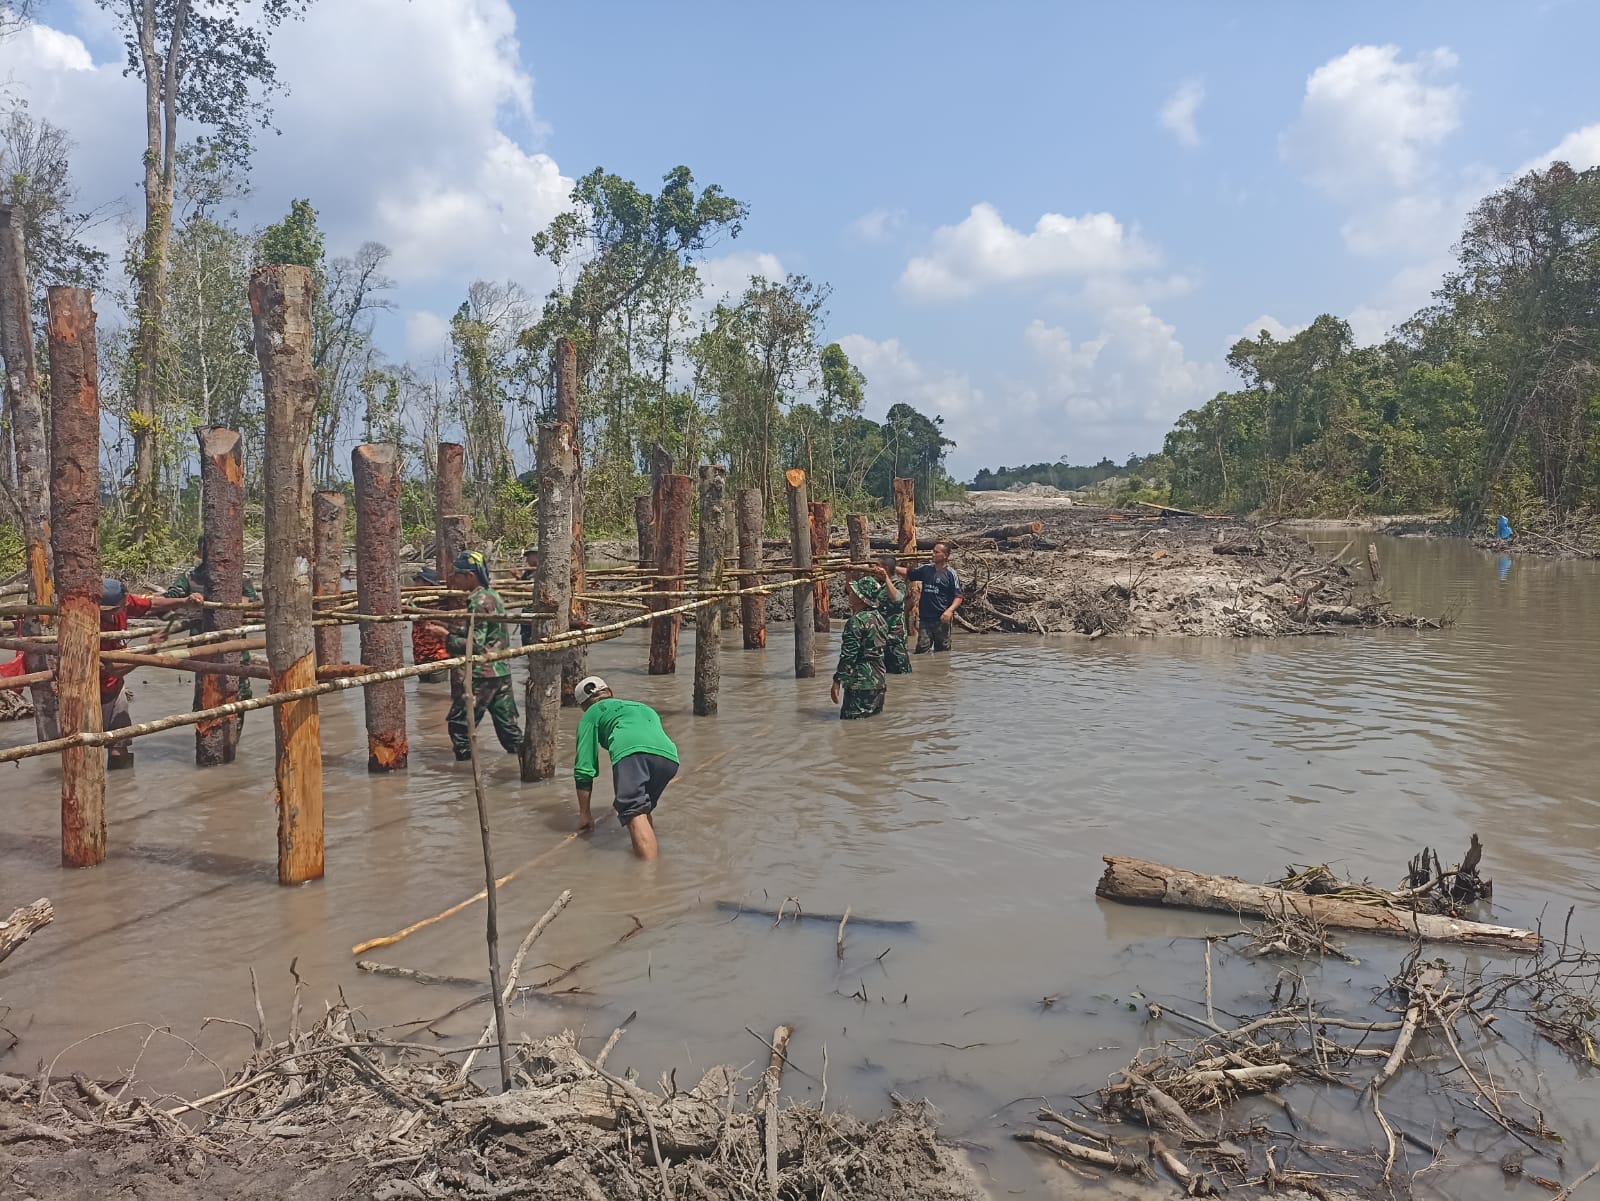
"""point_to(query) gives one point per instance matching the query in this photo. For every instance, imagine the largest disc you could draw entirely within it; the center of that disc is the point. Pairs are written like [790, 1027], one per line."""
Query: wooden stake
[327, 522]
[905, 515]
[771, 1085]
[280, 303]
[644, 522]
[552, 592]
[805, 637]
[751, 517]
[576, 665]
[222, 518]
[75, 539]
[375, 469]
[1373, 565]
[672, 549]
[856, 523]
[708, 621]
[25, 411]
[821, 519]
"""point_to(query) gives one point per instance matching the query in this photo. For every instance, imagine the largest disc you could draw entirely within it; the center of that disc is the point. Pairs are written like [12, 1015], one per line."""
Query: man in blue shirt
[941, 597]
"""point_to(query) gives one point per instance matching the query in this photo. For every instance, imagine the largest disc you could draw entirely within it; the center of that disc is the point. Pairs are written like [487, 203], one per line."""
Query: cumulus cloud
[1269, 324]
[1133, 372]
[894, 376]
[728, 275]
[982, 250]
[1580, 150]
[1179, 112]
[427, 333]
[877, 225]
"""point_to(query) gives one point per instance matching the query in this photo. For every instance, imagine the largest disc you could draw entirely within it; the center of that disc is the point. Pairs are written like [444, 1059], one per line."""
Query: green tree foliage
[295, 240]
[1060, 474]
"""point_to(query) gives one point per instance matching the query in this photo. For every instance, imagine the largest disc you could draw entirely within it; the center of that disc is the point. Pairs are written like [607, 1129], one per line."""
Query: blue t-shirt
[940, 587]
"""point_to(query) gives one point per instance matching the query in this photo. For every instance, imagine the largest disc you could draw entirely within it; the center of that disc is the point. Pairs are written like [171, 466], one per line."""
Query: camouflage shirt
[894, 615]
[861, 652]
[196, 579]
[487, 635]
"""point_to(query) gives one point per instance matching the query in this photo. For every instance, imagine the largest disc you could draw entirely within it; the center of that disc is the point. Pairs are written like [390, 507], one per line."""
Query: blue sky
[1154, 179]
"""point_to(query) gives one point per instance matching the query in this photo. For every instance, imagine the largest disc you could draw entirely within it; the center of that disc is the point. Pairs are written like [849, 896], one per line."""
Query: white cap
[588, 688]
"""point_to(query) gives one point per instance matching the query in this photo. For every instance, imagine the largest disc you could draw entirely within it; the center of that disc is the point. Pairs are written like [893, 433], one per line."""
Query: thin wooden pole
[25, 411]
[552, 592]
[75, 539]
[805, 636]
[750, 517]
[280, 303]
[644, 522]
[576, 665]
[375, 469]
[821, 520]
[708, 621]
[222, 518]
[856, 524]
[327, 522]
[672, 550]
[905, 514]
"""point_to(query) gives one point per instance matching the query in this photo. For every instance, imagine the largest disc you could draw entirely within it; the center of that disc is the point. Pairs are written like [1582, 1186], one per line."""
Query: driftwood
[794, 913]
[1140, 882]
[22, 923]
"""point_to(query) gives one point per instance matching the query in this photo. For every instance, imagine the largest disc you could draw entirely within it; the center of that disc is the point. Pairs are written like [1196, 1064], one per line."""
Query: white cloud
[52, 50]
[1580, 150]
[427, 333]
[894, 376]
[1178, 113]
[729, 274]
[877, 225]
[1133, 372]
[1279, 331]
[982, 249]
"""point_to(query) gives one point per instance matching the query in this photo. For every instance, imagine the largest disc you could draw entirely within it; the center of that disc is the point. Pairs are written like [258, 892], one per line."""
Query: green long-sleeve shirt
[624, 728]
[488, 635]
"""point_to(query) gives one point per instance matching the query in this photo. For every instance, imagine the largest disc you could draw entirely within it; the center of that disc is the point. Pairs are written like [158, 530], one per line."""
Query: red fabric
[13, 668]
[117, 619]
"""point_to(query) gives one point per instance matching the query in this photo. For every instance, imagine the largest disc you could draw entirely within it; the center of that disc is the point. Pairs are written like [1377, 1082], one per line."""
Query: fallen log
[795, 914]
[22, 923]
[1141, 882]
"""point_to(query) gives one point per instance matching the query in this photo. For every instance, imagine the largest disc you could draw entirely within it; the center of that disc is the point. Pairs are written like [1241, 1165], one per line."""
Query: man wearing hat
[117, 604]
[198, 580]
[858, 681]
[428, 637]
[643, 760]
[491, 682]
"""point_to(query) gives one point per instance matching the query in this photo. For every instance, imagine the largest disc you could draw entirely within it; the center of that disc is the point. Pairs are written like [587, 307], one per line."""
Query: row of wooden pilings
[303, 600]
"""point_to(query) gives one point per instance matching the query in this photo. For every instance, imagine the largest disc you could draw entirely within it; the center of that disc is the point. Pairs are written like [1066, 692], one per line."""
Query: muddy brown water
[978, 807]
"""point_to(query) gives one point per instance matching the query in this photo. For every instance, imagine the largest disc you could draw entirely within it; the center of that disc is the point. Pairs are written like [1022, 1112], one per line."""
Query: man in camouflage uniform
[896, 658]
[491, 682]
[198, 579]
[859, 676]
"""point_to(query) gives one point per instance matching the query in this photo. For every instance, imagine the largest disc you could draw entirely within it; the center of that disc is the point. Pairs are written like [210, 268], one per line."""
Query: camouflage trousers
[491, 696]
[896, 659]
[861, 703]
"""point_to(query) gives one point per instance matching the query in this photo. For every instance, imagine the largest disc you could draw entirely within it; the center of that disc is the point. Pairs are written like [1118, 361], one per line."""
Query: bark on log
[805, 637]
[222, 519]
[576, 665]
[280, 304]
[449, 501]
[25, 412]
[730, 553]
[821, 520]
[552, 593]
[750, 516]
[375, 470]
[708, 621]
[856, 523]
[75, 540]
[905, 514]
[644, 522]
[1140, 882]
[672, 549]
[327, 522]
[1373, 565]
[22, 924]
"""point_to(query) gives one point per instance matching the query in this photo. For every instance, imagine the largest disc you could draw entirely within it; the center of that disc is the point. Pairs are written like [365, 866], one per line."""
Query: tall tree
[36, 181]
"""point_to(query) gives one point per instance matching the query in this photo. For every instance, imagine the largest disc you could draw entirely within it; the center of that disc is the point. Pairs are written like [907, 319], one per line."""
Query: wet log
[75, 541]
[1093, 1156]
[750, 516]
[796, 915]
[1238, 548]
[574, 666]
[23, 924]
[375, 470]
[821, 519]
[222, 518]
[856, 524]
[327, 523]
[449, 501]
[805, 637]
[552, 593]
[24, 408]
[1140, 882]
[644, 522]
[1373, 565]
[708, 620]
[672, 550]
[280, 306]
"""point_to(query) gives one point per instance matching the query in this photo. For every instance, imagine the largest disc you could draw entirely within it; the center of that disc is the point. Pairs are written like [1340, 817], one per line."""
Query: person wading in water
[117, 604]
[858, 681]
[490, 687]
[896, 658]
[643, 760]
[941, 597]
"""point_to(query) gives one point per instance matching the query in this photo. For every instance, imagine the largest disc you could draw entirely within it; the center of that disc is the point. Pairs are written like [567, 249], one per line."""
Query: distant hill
[1056, 475]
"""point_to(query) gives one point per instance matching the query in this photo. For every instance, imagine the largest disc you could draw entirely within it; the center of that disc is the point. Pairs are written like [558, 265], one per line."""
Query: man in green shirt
[198, 579]
[491, 681]
[643, 760]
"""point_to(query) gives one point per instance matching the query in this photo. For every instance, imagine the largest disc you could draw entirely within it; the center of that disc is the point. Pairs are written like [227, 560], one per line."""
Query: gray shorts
[639, 780]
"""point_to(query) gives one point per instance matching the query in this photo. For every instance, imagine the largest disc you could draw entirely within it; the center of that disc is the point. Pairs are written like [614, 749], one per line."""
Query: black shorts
[639, 780]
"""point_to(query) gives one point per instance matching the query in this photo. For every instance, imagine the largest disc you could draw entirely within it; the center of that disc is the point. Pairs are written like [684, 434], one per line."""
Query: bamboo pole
[805, 636]
[25, 412]
[750, 516]
[552, 592]
[672, 545]
[905, 515]
[708, 620]
[856, 523]
[327, 522]
[821, 516]
[375, 469]
[222, 518]
[280, 303]
[75, 540]
[576, 665]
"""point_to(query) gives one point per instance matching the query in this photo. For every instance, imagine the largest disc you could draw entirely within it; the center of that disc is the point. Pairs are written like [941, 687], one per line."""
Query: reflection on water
[978, 806]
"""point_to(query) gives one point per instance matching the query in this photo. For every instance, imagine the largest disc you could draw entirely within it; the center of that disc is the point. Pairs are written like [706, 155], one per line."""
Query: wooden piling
[75, 540]
[25, 411]
[375, 469]
[821, 522]
[327, 524]
[730, 550]
[805, 635]
[708, 620]
[672, 549]
[905, 515]
[280, 304]
[576, 664]
[644, 522]
[450, 519]
[751, 518]
[856, 525]
[552, 593]
[222, 519]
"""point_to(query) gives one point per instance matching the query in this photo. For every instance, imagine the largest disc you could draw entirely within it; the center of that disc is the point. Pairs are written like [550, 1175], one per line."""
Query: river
[978, 807]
